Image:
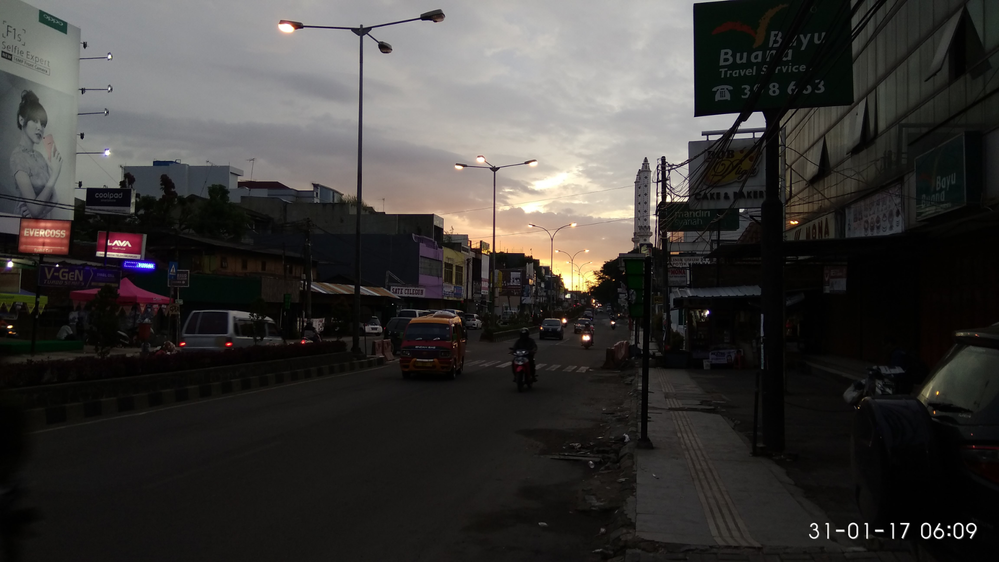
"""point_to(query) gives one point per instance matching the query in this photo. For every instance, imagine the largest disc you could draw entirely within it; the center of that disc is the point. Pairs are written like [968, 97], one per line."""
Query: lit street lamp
[492, 258]
[361, 31]
[551, 258]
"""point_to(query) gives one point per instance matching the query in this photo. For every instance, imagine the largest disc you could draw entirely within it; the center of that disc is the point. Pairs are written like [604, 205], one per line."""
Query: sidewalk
[701, 492]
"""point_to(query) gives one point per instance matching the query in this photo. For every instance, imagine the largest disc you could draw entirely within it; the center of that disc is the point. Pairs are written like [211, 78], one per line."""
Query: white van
[217, 330]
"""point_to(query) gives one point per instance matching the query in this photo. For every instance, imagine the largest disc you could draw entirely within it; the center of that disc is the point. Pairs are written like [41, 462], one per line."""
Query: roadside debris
[542, 524]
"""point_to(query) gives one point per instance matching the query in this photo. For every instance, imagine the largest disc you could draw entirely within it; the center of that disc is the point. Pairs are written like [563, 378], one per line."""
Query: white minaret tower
[643, 194]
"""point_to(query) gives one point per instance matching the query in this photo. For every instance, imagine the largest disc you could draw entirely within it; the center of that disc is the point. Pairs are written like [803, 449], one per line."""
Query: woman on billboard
[35, 172]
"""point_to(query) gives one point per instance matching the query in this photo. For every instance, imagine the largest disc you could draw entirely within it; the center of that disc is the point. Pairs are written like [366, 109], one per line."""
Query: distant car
[373, 327]
[473, 322]
[551, 328]
[412, 313]
[580, 324]
[394, 330]
[933, 459]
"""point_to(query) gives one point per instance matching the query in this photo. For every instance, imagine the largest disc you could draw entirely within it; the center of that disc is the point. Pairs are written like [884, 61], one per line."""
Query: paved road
[360, 466]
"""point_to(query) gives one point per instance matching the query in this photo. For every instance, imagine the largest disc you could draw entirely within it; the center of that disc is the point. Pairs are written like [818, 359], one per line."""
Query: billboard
[737, 43]
[111, 201]
[76, 276]
[679, 217]
[50, 237]
[39, 89]
[123, 245]
[728, 175]
[949, 176]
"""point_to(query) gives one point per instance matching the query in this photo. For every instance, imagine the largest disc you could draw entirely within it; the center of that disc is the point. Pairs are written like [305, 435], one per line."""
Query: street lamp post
[582, 278]
[571, 262]
[492, 257]
[361, 31]
[551, 258]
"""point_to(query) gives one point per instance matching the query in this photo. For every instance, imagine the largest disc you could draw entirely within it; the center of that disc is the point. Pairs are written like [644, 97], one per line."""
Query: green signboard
[737, 43]
[948, 176]
[679, 217]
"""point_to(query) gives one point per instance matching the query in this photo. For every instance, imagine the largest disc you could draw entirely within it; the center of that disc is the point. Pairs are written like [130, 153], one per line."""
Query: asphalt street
[357, 466]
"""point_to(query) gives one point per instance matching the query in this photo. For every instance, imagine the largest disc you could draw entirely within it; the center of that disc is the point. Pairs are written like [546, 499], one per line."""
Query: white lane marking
[471, 363]
[489, 364]
[540, 365]
[553, 368]
[582, 369]
[503, 365]
[570, 369]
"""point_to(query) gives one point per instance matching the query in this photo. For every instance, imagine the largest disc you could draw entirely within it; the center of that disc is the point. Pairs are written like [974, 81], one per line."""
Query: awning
[703, 297]
[8, 300]
[341, 289]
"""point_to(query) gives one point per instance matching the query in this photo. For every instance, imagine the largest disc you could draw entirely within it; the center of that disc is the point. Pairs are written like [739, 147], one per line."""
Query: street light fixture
[551, 258]
[571, 261]
[105, 152]
[289, 26]
[579, 270]
[109, 89]
[105, 113]
[492, 259]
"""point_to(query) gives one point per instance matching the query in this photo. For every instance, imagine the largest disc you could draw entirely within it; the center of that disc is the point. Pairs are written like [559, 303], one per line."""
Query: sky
[589, 88]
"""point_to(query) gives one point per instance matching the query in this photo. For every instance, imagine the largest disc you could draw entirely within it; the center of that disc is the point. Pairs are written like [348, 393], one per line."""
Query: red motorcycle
[523, 373]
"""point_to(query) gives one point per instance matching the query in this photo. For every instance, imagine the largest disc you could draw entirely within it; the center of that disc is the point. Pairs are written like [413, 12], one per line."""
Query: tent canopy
[127, 294]
[8, 300]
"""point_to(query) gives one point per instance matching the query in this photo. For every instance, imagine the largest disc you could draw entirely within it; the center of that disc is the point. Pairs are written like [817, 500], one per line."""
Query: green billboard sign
[948, 176]
[737, 43]
[679, 217]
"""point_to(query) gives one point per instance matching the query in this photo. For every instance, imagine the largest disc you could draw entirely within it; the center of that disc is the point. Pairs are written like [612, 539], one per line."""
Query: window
[223, 262]
[459, 275]
[430, 267]
[448, 272]
[427, 332]
[961, 46]
[245, 265]
[214, 323]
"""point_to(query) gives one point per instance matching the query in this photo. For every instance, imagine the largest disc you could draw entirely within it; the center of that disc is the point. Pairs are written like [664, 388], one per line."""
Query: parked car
[412, 313]
[473, 322]
[218, 330]
[932, 460]
[373, 327]
[394, 330]
[551, 328]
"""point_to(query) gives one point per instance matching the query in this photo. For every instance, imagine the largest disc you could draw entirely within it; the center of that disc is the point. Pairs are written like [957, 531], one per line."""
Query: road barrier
[616, 355]
[382, 348]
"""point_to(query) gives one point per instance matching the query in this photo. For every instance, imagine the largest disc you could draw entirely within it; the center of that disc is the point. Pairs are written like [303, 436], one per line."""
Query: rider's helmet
[525, 333]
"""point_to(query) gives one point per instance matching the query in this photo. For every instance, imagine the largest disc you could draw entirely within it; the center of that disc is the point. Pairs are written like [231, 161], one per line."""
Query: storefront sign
[834, 279]
[448, 291]
[877, 215]
[110, 201]
[728, 175]
[139, 265]
[76, 277]
[40, 236]
[459, 292]
[123, 245]
[40, 72]
[417, 292]
[822, 228]
[687, 261]
[948, 176]
[677, 277]
[736, 44]
[181, 280]
[679, 217]
[721, 356]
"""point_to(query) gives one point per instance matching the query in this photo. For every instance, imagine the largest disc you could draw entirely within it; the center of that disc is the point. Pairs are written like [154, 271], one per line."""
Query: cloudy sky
[587, 87]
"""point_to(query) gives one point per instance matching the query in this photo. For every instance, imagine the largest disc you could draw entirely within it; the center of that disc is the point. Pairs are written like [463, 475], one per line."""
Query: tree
[218, 217]
[609, 279]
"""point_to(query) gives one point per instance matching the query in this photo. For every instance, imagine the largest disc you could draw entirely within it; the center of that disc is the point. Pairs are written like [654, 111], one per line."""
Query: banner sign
[448, 291]
[76, 276]
[687, 261]
[50, 237]
[821, 228]
[736, 44]
[726, 176]
[834, 280]
[110, 201]
[181, 279]
[948, 176]
[677, 277]
[417, 292]
[679, 217]
[877, 215]
[123, 245]
[40, 73]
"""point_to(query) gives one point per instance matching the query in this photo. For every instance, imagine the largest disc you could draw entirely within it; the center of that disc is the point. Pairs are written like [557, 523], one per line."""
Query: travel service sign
[736, 45]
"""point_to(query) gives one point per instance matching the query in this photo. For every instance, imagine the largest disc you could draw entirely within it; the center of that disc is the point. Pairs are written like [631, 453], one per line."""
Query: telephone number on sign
[898, 531]
[774, 89]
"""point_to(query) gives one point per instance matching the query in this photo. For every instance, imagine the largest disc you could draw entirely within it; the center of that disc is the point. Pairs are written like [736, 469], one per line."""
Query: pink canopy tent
[127, 294]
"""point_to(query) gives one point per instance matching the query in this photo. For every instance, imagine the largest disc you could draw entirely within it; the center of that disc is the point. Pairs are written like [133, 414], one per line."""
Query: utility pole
[772, 293]
[664, 241]
[308, 270]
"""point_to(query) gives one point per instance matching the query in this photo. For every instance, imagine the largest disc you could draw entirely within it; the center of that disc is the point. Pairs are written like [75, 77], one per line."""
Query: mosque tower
[643, 194]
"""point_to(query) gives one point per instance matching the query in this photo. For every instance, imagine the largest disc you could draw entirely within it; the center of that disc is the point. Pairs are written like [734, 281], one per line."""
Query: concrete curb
[42, 418]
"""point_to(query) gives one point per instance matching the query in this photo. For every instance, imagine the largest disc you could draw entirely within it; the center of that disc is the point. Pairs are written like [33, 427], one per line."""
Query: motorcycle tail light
[228, 342]
[182, 343]
[982, 460]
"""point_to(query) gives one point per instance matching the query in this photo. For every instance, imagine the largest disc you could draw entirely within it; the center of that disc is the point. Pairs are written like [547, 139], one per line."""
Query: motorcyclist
[587, 329]
[527, 343]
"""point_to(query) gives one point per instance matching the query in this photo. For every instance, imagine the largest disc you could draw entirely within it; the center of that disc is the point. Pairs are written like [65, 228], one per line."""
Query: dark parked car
[551, 328]
[393, 331]
[932, 460]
